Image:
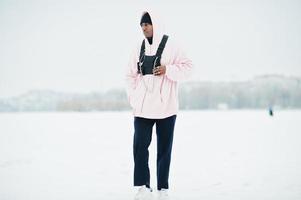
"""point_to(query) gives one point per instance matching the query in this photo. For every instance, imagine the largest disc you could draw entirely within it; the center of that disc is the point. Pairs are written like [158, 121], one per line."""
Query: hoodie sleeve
[131, 75]
[181, 67]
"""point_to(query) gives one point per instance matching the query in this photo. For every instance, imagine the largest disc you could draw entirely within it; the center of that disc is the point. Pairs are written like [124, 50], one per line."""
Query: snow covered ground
[217, 155]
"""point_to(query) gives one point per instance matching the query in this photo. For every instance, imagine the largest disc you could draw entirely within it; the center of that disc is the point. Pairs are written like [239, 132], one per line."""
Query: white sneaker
[144, 193]
[163, 195]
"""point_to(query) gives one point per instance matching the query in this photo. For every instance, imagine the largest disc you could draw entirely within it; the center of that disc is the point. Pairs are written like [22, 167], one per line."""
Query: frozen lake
[217, 155]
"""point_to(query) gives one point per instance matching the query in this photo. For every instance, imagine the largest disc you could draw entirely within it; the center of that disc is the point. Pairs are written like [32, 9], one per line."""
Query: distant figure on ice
[271, 111]
[155, 68]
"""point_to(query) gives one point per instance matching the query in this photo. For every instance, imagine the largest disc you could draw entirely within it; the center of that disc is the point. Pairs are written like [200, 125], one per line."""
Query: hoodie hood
[158, 27]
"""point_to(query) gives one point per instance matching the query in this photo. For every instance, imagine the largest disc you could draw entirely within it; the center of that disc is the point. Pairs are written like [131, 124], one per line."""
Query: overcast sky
[84, 46]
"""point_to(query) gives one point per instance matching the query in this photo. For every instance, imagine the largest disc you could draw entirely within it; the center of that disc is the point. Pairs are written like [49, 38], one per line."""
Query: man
[152, 77]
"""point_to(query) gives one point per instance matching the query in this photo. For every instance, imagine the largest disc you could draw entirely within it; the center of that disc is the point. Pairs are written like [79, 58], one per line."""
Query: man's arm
[181, 68]
[131, 75]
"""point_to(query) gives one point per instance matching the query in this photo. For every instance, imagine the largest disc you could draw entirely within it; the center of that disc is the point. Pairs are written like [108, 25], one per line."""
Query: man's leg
[165, 130]
[142, 139]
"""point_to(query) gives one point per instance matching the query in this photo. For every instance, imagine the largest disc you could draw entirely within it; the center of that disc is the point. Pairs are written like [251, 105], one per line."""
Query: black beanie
[146, 19]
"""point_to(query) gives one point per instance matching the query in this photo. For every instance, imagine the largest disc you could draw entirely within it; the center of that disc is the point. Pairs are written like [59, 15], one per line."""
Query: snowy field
[217, 155]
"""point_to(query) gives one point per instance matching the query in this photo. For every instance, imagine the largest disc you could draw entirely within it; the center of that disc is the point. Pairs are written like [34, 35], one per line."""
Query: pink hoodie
[156, 97]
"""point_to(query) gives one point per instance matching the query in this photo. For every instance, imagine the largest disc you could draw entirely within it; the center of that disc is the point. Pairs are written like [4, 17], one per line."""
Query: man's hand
[160, 70]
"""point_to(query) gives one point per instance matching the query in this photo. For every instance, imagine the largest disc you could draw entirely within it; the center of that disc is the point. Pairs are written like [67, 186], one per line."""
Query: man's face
[147, 29]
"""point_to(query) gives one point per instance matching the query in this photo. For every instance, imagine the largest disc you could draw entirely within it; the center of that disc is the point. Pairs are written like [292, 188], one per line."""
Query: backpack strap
[142, 51]
[161, 46]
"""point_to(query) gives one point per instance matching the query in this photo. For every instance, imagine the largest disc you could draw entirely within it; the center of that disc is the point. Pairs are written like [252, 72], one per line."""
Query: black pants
[142, 140]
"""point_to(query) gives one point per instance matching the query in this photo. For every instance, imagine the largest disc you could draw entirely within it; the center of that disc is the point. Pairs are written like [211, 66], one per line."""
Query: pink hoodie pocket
[161, 85]
[165, 89]
[137, 95]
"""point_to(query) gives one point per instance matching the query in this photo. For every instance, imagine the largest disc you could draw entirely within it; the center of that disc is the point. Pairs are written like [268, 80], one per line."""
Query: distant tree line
[259, 93]
[262, 92]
